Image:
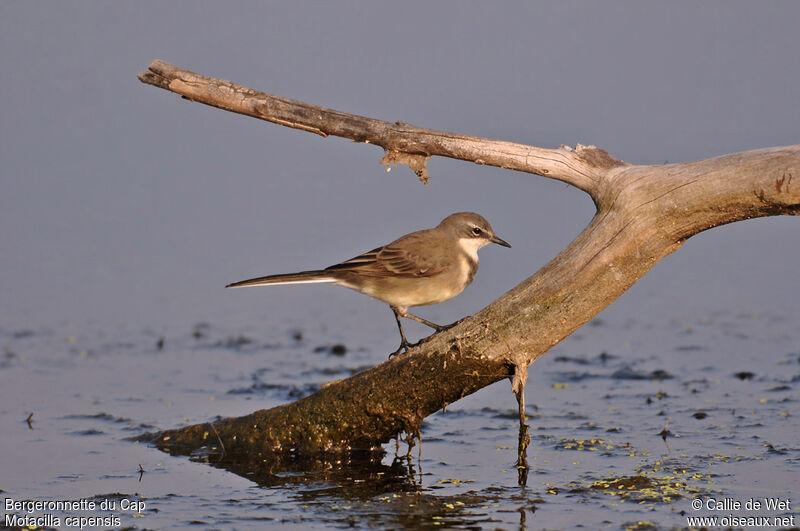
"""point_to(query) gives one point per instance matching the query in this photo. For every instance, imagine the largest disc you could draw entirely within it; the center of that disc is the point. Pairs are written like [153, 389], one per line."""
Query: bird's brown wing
[400, 258]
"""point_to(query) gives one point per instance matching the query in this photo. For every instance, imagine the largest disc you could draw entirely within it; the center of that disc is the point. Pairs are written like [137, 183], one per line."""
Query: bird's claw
[442, 328]
[405, 346]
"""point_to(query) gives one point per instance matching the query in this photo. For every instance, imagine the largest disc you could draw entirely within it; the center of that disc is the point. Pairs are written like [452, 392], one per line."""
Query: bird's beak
[500, 241]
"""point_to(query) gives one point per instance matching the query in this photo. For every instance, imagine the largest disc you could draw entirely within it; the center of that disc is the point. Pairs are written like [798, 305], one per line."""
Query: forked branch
[643, 214]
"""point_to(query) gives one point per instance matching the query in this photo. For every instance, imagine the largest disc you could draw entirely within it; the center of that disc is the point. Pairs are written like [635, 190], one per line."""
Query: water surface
[724, 387]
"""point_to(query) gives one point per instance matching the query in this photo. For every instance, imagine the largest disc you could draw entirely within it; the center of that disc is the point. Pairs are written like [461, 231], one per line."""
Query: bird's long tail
[303, 277]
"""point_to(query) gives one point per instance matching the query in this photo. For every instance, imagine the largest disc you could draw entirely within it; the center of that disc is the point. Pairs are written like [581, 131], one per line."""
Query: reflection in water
[373, 493]
[358, 476]
[524, 438]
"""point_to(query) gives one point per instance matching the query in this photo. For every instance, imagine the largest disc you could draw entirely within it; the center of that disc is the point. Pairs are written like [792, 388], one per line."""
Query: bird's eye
[476, 231]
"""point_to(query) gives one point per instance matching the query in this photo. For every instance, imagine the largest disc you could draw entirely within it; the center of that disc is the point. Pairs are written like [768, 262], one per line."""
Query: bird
[421, 268]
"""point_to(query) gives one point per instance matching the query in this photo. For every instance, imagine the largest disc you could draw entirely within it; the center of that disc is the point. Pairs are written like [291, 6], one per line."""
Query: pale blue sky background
[122, 204]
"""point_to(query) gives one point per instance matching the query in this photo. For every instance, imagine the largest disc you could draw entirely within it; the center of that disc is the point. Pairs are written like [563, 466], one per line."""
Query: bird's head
[472, 231]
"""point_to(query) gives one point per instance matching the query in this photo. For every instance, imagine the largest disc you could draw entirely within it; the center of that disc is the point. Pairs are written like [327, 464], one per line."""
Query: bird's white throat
[471, 245]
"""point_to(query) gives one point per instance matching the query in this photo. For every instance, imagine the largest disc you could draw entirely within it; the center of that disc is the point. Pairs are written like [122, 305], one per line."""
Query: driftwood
[643, 214]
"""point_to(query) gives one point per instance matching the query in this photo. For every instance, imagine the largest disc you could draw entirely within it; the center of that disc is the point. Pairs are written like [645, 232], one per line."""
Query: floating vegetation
[592, 445]
[642, 488]
[453, 481]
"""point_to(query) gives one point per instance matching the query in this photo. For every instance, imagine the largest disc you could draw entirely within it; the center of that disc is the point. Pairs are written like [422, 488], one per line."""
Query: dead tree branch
[404, 143]
[643, 214]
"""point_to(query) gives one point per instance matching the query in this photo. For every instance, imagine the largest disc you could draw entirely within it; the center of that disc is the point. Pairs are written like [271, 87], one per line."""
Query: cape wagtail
[425, 267]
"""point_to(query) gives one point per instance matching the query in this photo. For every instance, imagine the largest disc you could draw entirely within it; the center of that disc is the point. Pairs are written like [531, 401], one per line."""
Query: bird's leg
[404, 313]
[438, 328]
[404, 344]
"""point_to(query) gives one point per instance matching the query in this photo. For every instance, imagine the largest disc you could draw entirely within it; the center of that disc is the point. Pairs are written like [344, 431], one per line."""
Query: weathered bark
[643, 214]
[403, 143]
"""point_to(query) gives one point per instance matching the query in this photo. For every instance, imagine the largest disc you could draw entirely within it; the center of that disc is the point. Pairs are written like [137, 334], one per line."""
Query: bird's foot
[405, 345]
[442, 328]
[403, 348]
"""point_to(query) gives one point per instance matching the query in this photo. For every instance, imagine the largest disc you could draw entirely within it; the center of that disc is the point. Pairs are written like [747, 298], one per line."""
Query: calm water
[724, 385]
